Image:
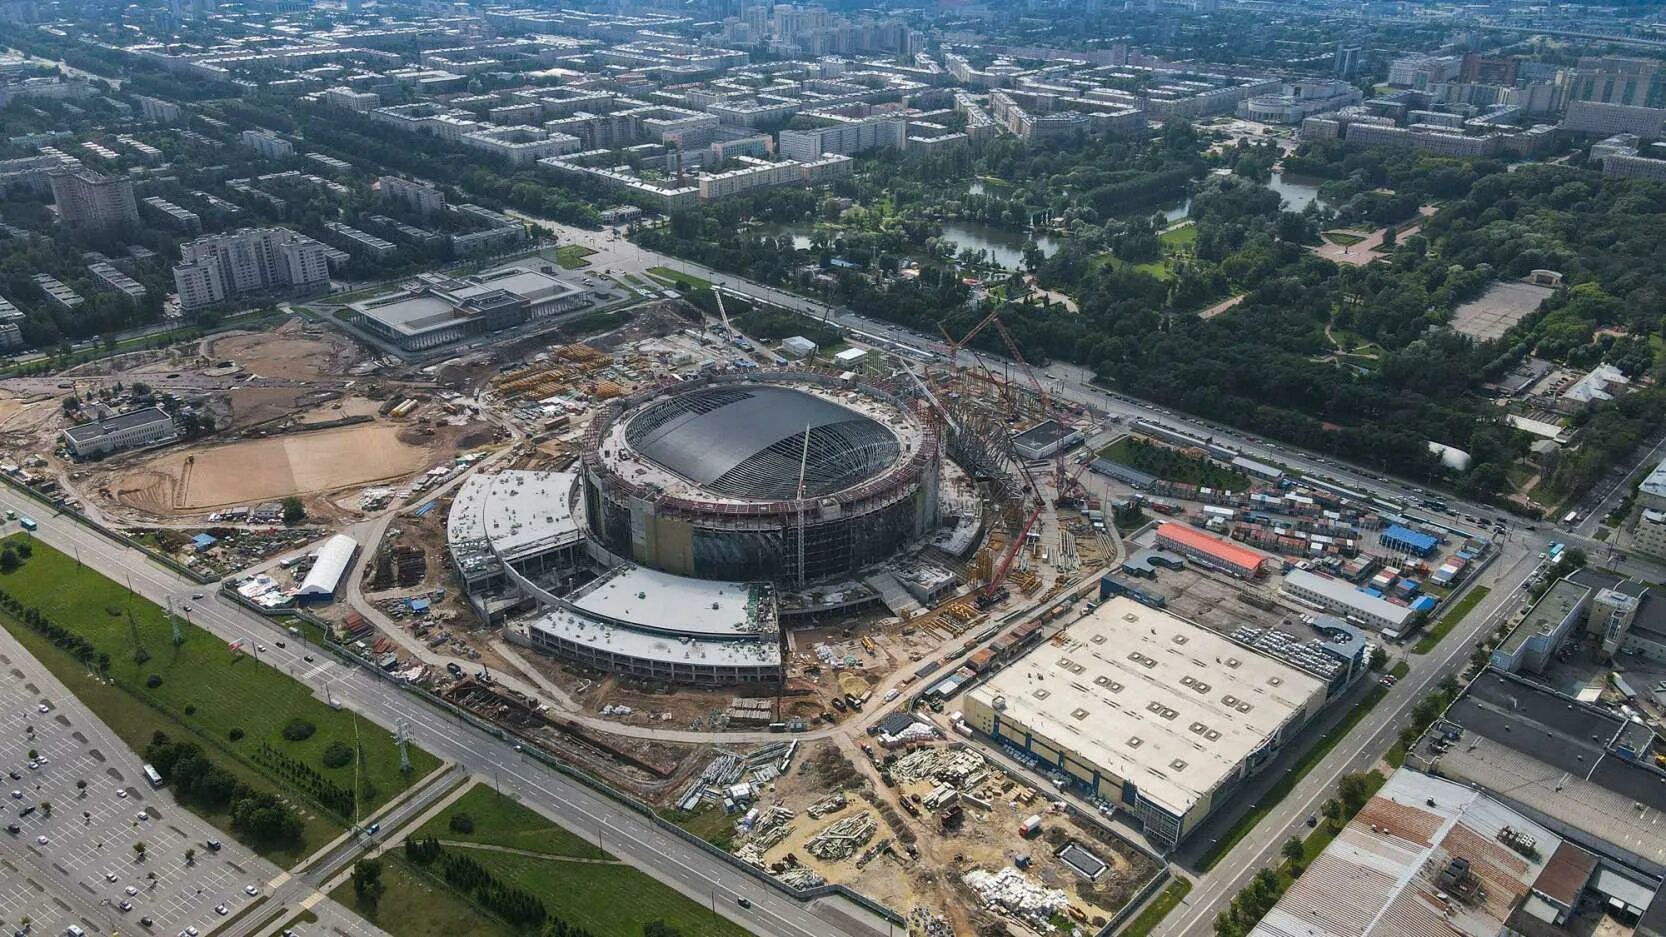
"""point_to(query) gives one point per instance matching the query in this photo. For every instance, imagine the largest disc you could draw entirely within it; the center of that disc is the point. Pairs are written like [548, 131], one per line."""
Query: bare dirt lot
[187, 481]
[283, 352]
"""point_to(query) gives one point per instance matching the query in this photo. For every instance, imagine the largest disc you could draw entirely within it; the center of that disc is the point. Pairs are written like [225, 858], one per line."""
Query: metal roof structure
[1546, 753]
[649, 600]
[83, 432]
[512, 515]
[327, 569]
[1393, 870]
[746, 441]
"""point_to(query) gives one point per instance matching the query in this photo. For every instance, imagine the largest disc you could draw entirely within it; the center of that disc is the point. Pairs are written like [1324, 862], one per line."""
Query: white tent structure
[327, 570]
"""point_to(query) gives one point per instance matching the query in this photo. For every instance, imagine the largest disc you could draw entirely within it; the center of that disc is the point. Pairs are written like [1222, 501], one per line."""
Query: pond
[1297, 190]
[1005, 245]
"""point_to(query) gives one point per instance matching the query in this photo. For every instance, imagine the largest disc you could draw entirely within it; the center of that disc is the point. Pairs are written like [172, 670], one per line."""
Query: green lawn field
[501, 821]
[199, 690]
[416, 905]
[577, 882]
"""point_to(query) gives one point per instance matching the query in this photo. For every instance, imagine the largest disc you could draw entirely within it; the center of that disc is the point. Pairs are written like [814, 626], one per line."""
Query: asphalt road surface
[687, 868]
[86, 866]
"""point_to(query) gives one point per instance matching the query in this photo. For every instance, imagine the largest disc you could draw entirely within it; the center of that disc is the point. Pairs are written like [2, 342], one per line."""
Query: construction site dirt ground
[984, 839]
[198, 479]
[286, 352]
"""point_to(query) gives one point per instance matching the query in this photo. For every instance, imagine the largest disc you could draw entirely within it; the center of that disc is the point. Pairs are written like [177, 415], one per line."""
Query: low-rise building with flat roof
[1583, 772]
[434, 310]
[1432, 856]
[1046, 439]
[1342, 598]
[1159, 716]
[1211, 551]
[123, 431]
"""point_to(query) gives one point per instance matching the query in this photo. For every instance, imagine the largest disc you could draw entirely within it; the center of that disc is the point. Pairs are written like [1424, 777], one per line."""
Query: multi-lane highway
[628, 835]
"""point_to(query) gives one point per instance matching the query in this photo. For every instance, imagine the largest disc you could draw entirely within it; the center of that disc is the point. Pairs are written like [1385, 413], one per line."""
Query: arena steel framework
[702, 478]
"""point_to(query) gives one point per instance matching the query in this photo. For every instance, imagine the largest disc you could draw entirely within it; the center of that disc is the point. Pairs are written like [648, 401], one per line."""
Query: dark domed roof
[746, 441]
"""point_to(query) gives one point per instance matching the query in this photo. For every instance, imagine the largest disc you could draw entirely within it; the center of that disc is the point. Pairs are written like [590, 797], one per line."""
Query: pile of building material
[722, 780]
[937, 764]
[915, 733]
[928, 923]
[746, 710]
[763, 830]
[843, 837]
[832, 803]
[1017, 894]
[801, 878]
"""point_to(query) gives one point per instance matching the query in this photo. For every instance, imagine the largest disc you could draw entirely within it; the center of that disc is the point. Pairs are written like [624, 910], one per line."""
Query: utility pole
[402, 737]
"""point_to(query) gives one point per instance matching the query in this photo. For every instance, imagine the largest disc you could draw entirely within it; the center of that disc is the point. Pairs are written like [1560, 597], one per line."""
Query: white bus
[151, 775]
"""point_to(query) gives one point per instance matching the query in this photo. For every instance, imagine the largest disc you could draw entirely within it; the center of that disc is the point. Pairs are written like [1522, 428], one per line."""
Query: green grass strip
[1442, 628]
[1167, 900]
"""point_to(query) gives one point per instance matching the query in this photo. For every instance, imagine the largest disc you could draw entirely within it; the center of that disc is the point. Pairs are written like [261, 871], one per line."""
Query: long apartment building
[247, 262]
[845, 137]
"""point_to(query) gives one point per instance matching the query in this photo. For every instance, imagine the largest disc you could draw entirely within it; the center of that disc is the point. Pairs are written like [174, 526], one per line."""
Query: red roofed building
[1210, 551]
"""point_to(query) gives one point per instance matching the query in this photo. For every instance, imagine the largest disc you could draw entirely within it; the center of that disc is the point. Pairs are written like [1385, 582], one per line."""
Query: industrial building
[1353, 604]
[1620, 616]
[123, 431]
[328, 567]
[434, 310]
[1211, 551]
[1581, 771]
[1405, 540]
[1431, 856]
[703, 478]
[1161, 717]
[1046, 439]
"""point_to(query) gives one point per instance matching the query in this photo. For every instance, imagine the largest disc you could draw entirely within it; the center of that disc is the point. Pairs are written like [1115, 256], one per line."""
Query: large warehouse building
[1159, 716]
[1211, 551]
[703, 478]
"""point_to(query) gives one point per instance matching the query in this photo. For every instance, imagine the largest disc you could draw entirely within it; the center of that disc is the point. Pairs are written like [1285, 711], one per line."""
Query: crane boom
[1010, 555]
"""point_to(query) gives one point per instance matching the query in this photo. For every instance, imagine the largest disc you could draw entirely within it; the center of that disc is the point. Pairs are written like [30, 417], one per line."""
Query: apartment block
[219, 267]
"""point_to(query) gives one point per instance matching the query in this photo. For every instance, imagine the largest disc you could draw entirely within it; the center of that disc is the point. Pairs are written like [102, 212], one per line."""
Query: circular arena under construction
[795, 477]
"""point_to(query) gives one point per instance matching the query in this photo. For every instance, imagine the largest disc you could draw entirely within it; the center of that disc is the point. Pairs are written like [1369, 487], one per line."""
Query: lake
[1297, 190]
[1005, 245]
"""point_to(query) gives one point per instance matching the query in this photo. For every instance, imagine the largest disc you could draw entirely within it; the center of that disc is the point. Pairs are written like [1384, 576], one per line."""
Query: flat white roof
[580, 628]
[1151, 698]
[514, 513]
[656, 601]
[1345, 593]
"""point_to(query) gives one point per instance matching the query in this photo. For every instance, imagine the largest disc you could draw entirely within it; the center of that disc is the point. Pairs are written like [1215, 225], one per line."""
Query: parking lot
[78, 865]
